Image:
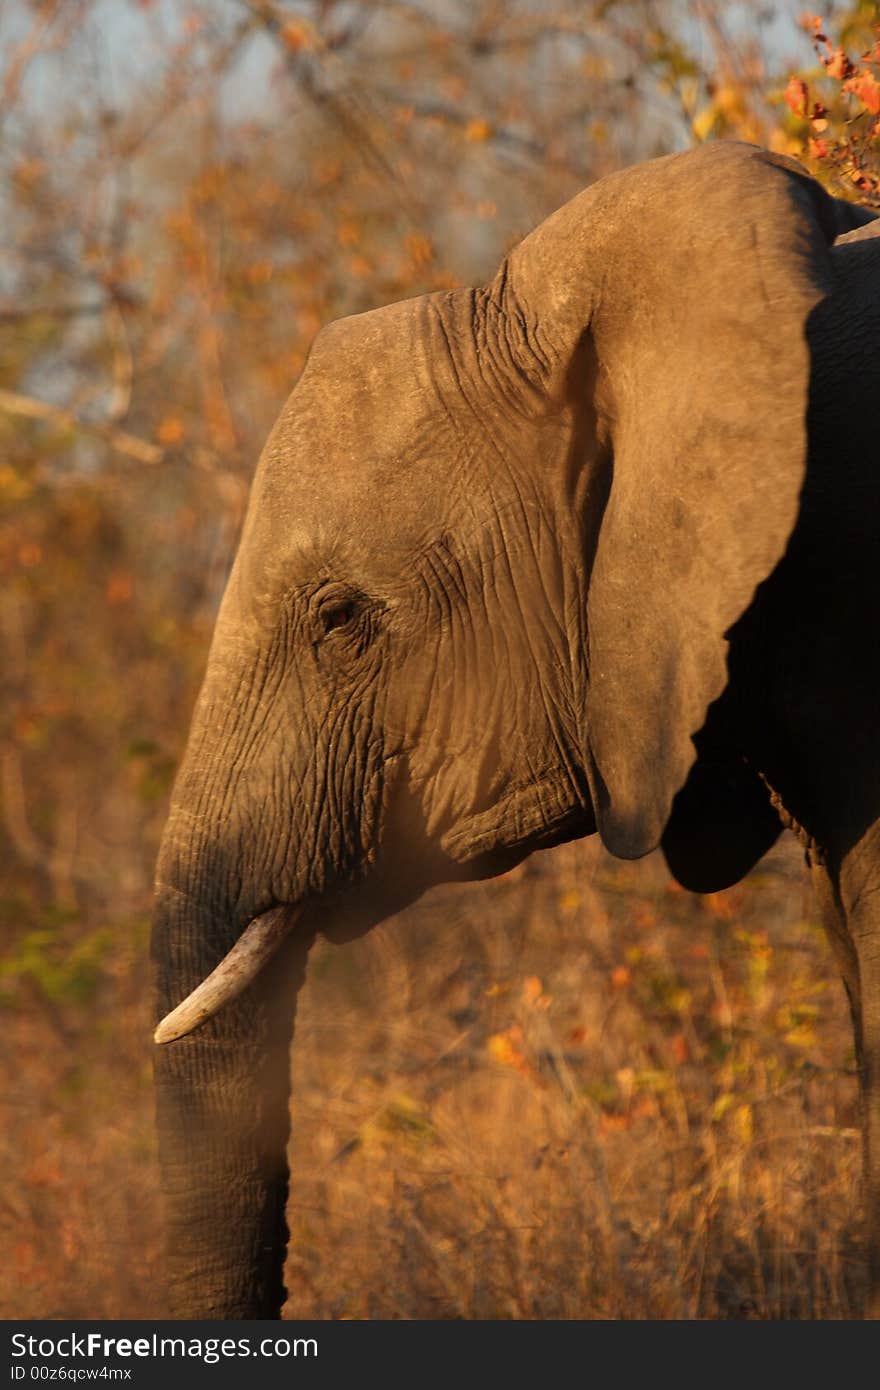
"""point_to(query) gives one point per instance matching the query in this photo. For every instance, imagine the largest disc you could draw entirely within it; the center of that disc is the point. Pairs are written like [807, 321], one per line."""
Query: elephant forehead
[368, 388]
[369, 432]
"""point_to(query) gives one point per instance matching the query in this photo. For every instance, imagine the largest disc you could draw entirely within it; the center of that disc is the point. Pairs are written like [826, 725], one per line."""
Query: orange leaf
[419, 247]
[613, 1124]
[170, 430]
[797, 95]
[867, 89]
[477, 130]
[838, 65]
[504, 1048]
[296, 35]
[119, 588]
[720, 906]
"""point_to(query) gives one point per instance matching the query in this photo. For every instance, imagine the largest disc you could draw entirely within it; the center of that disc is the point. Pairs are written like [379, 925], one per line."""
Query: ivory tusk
[257, 944]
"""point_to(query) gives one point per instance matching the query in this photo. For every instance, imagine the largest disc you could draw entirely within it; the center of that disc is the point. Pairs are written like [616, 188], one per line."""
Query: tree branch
[13, 403]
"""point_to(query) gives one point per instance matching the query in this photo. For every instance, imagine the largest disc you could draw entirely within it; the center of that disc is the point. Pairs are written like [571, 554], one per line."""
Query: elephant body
[592, 547]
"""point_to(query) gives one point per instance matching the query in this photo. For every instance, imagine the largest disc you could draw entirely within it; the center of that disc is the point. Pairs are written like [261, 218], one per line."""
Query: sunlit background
[575, 1092]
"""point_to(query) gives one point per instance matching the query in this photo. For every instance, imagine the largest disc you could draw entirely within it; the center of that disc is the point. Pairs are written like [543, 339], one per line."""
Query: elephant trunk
[223, 1120]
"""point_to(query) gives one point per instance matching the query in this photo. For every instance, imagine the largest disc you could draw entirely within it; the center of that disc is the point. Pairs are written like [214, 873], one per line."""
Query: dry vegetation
[576, 1092]
[579, 1093]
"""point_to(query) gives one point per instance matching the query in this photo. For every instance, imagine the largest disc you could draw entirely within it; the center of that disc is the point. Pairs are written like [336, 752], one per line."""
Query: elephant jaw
[257, 944]
[544, 813]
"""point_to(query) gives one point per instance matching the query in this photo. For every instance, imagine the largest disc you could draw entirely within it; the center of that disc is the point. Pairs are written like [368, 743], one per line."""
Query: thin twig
[51, 311]
[14, 403]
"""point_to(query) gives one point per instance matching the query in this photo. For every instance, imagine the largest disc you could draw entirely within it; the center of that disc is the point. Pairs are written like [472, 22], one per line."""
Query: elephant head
[493, 547]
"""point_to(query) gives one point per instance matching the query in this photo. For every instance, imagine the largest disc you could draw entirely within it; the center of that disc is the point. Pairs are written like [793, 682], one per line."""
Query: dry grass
[574, 1093]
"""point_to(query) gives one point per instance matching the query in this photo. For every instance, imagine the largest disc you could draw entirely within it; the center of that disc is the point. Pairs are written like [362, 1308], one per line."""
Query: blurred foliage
[189, 191]
[836, 106]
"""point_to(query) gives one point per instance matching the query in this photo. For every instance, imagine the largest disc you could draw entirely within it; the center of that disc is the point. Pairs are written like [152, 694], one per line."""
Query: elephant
[590, 548]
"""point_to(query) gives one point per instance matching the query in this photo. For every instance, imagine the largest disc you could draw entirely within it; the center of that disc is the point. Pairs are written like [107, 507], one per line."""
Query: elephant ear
[695, 275]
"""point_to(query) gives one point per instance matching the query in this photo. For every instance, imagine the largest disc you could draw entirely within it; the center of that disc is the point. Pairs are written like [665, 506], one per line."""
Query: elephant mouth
[488, 843]
[258, 943]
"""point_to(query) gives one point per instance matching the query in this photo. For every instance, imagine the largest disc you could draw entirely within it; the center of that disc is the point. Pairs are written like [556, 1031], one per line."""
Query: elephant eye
[340, 609]
[340, 615]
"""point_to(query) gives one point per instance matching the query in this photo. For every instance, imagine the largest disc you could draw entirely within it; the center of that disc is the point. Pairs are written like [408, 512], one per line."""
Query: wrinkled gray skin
[514, 558]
